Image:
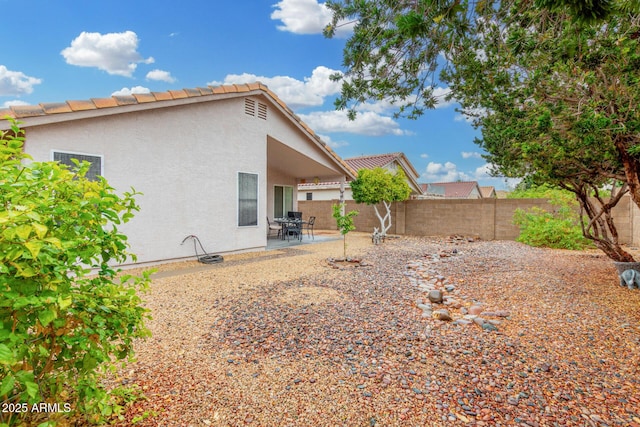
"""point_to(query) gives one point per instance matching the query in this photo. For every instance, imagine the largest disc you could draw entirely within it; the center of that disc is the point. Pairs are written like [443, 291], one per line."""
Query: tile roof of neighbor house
[378, 161]
[488, 191]
[454, 190]
[371, 162]
[59, 109]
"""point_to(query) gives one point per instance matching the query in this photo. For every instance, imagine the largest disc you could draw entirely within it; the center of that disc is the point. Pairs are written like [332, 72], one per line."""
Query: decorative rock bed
[456, 307]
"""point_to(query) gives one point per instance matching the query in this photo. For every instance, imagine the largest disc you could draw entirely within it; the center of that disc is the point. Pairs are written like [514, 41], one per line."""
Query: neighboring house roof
[453, 190]
[371, 162]
[45, 113]
[381, 161]
[488, 192]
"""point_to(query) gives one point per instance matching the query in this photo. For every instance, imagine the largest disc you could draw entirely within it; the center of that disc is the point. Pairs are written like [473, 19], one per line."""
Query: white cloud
[424, 156]
[470, 115]
[365, 123]
[448, 172]
[13, 103]
[295, 93]
[306, 17]
[471, 155]
[443, 172]
[483, 175]
[130, 91]
[160, 75]
[311, 92]
[15, 83]
[115, 53]
[440, 93]
[331, 143]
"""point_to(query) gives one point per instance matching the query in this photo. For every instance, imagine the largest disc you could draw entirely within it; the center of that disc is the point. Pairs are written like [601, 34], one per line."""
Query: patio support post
[342, 183]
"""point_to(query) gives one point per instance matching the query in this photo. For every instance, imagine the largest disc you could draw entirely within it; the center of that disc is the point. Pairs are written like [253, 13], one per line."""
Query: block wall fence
[489, 219]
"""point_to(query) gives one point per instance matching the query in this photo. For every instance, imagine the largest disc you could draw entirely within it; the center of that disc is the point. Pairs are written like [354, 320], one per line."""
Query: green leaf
[89, 363]
[32, 389]
[40, 229]
[46, 316]
[7, 385]
[23, 231]
[6, 355]
[34, 247]
[64, 303]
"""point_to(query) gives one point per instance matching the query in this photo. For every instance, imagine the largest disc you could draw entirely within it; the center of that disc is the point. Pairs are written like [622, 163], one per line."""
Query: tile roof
[61, 109]
[45, 109]
[454, 190]
[373, 161]
[488, 191]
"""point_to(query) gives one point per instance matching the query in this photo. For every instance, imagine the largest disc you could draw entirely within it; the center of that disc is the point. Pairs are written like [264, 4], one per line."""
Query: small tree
[65, 318]
[374, 186]
[344, 222]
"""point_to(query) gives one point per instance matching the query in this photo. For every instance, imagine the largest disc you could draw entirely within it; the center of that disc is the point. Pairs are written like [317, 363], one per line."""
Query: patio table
[285, 223]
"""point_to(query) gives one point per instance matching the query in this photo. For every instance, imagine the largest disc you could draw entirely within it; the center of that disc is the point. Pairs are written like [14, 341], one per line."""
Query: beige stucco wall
[325, 194]
[185, 160]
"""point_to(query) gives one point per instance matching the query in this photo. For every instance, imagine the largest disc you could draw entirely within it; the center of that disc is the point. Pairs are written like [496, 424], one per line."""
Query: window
[65, 158]
[309, 196]
[282, 201]
[247, 199]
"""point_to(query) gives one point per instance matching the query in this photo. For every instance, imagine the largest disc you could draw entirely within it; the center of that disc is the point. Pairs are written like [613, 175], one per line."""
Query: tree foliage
[553, 99]
[65, 316]
[552, 86]
[378, 185]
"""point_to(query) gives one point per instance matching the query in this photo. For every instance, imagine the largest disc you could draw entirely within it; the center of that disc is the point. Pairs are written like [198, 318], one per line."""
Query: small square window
[309, 196]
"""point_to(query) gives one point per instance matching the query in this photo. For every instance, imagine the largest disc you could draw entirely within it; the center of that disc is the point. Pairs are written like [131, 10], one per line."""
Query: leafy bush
[65, 315]
[559, 229]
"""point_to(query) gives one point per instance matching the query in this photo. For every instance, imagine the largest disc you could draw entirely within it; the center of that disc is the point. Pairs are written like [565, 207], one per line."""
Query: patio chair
[309, 226]
[293, 228]
[294, 215]
[273, 227]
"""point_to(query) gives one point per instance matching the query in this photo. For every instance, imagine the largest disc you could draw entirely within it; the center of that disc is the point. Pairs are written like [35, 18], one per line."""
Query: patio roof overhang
[305, 167]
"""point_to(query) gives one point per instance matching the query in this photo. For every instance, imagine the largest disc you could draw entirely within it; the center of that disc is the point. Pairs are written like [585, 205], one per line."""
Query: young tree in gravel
[344, 220]
[65, 318]
[375, 186]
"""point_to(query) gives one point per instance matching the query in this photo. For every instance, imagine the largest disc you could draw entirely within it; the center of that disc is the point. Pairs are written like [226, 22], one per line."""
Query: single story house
[454, 190]
[214, 162]
[331, 190]
[488, 192]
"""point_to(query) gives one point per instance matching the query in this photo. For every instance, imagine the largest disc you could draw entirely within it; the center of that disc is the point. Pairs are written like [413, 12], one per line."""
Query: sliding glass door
[282, 200]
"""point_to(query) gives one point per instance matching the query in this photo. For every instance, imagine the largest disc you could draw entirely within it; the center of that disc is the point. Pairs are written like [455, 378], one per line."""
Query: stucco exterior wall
[185, 160]
[325, 194]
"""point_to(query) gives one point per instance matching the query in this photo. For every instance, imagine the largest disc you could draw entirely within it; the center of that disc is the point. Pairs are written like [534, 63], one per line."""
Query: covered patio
[320, 236]
[292, 163]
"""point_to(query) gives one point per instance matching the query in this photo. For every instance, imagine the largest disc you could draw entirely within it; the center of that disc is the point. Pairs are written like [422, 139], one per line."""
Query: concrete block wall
[446, 217]
[489, 219]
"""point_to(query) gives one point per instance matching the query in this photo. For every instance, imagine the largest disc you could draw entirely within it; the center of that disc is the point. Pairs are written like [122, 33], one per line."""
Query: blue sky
[57, 50]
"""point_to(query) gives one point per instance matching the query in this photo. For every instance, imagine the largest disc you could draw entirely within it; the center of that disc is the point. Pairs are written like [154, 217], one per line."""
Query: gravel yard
[280, 338]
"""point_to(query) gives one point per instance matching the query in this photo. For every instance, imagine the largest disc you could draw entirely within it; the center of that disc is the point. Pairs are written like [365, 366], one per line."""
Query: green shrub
[559, 229]
[66, 316]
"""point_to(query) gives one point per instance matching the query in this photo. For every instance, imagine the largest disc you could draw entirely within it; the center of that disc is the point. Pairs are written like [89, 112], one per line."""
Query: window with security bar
[95, 169]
